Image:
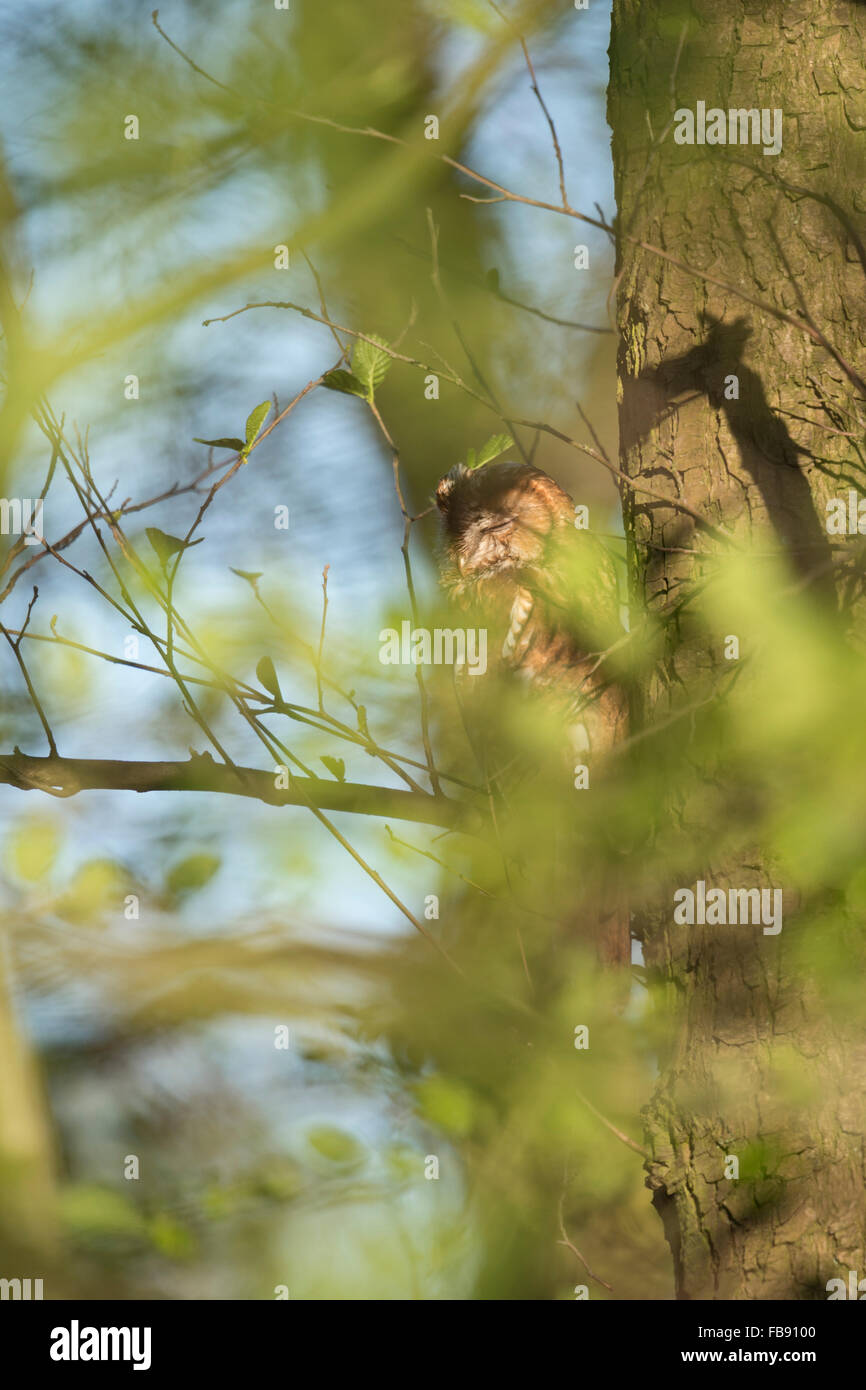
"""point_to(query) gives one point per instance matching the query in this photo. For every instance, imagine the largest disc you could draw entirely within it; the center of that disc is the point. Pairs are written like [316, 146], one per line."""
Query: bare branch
[535, 87]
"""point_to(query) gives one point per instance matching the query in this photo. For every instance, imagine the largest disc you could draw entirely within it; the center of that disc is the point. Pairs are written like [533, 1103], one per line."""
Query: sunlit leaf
[496, 445]
[268, 677]
[255, 420]
[335, 1145]
[370, 364]
[96, 887]
[336, 767]
[447, 1104]
[232, 443]
[165, 545]
[32, 848]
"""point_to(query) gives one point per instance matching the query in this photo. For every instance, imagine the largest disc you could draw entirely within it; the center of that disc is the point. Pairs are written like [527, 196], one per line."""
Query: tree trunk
[742, 415]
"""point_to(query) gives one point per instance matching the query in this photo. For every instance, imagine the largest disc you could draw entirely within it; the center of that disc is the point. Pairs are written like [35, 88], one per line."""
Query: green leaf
[276, 1178]
[344, 381]
[403, 1163]
[335, 1145]
[496, 445]
[95, 887]
[89, 1210]
[336, 767]
[191, 874]
[255, 420]
[470, 459]
[362, 721]
[32, 847]
[370, 364]
[165, 546]
[268, 677]
[218, 1202]
[448, 1104]
[251, 576]
[230, 443]
[170, 1238]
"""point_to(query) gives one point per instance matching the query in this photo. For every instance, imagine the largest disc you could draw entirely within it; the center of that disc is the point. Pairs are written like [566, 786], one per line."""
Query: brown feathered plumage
[548, 589]
[547, 593]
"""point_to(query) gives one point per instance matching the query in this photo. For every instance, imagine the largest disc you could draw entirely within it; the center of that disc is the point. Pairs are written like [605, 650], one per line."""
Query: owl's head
[497, 519]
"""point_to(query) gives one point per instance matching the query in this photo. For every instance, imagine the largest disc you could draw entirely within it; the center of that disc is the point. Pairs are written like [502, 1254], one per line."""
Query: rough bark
[785, 229]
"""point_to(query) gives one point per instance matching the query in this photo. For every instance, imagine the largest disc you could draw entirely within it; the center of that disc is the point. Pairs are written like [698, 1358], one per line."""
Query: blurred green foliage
[309, 1167]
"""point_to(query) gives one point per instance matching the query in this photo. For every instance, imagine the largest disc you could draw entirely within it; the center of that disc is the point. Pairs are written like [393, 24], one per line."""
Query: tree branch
[60, 776]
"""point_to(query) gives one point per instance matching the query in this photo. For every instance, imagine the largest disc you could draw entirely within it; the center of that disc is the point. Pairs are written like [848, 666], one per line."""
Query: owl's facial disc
[494, 523]
[485, 546]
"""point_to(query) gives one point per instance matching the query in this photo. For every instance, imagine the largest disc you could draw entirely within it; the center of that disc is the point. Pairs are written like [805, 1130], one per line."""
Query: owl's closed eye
[497, 519]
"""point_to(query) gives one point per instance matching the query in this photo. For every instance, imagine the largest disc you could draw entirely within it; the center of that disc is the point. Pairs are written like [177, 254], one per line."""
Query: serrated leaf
[336, 767]
[230, 443]
[165, 545]
[496, 445]
[370, 364]
[255, 420]
[268, 677]
[344, 381]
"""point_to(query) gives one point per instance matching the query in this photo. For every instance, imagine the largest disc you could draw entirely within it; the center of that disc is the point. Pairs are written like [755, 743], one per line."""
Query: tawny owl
[548, 595]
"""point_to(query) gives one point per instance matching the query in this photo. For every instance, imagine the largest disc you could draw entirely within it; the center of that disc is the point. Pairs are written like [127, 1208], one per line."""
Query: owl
[547, 593]
[548, 590]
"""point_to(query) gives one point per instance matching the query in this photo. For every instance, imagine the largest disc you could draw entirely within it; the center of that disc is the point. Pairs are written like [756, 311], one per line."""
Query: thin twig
[623, 1138]
[536, 89]
[322, 639]
[635, 484]
[413, 600]
[15, 644]
[573, 1248]
[470, 356]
